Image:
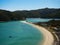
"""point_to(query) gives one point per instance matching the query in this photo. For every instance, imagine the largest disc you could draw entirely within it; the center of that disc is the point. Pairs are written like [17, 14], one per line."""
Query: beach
[48, 37]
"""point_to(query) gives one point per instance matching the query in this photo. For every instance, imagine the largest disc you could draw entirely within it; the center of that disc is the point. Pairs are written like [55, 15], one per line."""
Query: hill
[21, 15]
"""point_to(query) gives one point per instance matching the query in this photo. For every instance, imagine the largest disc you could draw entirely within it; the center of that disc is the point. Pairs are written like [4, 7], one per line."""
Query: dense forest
[22, 15]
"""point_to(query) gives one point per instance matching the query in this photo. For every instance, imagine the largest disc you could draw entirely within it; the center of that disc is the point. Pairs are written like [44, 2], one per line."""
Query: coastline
[48, 37]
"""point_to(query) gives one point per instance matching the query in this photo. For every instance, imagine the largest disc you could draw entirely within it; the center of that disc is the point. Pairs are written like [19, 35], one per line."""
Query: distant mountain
[39, 13]
[42, 13]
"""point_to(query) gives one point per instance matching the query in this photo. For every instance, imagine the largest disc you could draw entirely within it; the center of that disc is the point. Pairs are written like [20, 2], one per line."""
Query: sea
[18, 33]
[35, 20]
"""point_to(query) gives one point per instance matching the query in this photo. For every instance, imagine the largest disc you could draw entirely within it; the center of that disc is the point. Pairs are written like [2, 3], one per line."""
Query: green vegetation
[54, 23]
[9, 16]
[21, 15]
[54, 27]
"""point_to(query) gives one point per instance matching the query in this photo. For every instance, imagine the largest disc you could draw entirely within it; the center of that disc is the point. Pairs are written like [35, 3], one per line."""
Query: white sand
[48, 37]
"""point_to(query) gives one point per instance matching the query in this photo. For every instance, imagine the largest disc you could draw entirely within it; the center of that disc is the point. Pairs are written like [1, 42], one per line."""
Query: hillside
[41, 13]
[21, 15]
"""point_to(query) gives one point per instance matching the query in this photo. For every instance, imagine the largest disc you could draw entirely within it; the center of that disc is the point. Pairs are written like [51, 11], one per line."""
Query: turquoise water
[18, 33]
[34, 20]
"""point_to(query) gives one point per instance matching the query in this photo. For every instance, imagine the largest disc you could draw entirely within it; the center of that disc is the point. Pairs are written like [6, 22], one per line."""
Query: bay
[18, 33]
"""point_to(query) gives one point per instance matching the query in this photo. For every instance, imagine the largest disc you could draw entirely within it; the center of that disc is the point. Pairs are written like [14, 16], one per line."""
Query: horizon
[29, 10]
[13, 5]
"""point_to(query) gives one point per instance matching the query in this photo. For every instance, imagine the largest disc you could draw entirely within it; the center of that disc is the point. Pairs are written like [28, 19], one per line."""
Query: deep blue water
[18, 33]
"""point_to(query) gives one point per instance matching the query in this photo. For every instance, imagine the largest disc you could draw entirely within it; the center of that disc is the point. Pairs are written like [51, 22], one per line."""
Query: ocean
[18, 33]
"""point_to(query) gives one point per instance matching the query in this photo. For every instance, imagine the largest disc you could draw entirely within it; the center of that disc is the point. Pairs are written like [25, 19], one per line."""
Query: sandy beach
[48, 37]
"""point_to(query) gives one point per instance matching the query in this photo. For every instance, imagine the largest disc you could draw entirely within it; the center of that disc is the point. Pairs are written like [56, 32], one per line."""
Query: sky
[13, 5]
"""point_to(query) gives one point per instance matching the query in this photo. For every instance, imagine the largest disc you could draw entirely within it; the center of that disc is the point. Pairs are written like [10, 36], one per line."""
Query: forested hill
[42, 13]
[19, 15]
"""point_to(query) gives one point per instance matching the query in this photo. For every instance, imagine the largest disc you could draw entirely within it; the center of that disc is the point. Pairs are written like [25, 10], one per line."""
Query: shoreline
[48, 37]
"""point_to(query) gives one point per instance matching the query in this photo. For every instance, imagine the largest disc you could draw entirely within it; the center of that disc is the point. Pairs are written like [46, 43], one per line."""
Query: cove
[18, 33]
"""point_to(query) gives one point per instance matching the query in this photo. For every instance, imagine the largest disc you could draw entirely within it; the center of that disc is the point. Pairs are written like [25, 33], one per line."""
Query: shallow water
[34, 20]
[18, 33]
